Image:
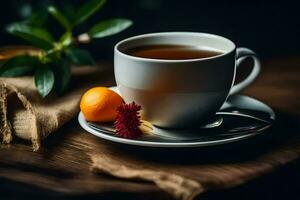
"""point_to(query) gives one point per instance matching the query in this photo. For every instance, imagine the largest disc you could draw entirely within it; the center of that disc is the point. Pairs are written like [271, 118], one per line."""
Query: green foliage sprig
[51, 67]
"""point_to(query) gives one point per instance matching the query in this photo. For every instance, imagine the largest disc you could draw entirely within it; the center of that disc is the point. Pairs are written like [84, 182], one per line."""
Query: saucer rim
[170, 144]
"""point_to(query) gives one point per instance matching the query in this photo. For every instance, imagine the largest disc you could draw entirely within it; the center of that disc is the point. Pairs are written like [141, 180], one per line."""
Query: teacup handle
[242, 54]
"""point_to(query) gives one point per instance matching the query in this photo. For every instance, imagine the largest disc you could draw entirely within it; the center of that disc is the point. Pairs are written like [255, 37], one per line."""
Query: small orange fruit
[99, 104]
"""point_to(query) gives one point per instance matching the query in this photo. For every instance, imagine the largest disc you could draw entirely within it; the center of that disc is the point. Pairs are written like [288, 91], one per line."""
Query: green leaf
[18, 66]
[80, 57]
[109, 27]
[66, 39]
[37, 36]
[62, 74]
[59, 17]
[44, 80]
[88, 9]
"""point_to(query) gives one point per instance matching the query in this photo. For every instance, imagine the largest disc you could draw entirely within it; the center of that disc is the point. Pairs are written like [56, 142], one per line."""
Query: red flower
[128, 121]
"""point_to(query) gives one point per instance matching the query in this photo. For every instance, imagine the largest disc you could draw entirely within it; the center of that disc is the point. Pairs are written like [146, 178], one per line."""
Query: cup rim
[116, 48]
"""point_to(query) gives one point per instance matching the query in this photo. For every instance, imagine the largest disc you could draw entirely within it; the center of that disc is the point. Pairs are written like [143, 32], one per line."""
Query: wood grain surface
[61, 169]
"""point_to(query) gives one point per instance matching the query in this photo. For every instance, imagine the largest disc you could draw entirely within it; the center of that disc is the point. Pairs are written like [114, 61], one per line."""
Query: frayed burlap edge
[6, 131]
[220, 176]
[179, 187]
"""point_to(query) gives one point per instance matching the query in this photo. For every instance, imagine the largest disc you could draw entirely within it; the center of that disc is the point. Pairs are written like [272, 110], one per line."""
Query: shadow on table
[12, 190]
[286, 130]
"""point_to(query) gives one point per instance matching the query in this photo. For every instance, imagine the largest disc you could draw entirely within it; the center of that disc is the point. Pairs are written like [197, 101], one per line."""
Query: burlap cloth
[183, 174]
[24, 114]
[187, 173]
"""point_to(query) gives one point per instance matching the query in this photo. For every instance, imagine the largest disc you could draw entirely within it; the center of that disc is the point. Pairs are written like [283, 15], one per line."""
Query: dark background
[271, 29]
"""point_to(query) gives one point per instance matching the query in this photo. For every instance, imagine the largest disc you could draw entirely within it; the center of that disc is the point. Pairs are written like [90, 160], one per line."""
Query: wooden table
[61, 170]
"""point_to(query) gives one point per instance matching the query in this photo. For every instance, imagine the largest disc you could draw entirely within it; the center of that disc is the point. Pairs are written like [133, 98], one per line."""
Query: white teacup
[180, 93]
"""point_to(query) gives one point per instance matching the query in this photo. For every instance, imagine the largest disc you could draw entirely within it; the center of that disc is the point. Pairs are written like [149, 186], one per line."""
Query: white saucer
[242, 117]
